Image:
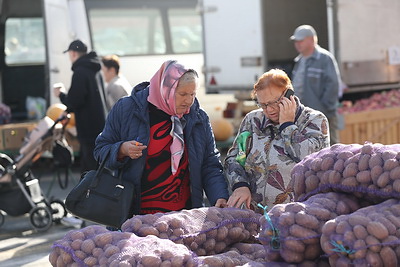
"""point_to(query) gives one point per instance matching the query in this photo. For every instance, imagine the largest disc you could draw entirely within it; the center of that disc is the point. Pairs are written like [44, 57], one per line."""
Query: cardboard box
[375, 126]
[12, 135]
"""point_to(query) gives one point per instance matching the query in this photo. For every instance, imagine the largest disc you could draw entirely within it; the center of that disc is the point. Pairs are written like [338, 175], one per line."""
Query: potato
[350, 170]
[319, 212]
[373, 259]
[345, 154]
[90, 261]
[364, 177]
[373, 243]
[358, 219]
[299, 185]
[360, 249]
[286, 219]
[294, 207]
[209, 245]
[377, 230]
[316, 164]
[334, 177]
[235, 233]
[342, 227]
[375, 160]
[350, 182]
[307, 220]
[353, 159]
[110, 250]
[150, 261]
[148, 230]
[80, 254]
[376, 171]
[87, 246]
[390, 164]
[76, 235]
[339, 165]
[395, 173]
[329, 227]
[76, 244]
[302, 232]
[394, 219]
[388, 256]
[349, 237]
[311, 182]
[367, 148]
[387, 224]
[383, 180]
[291, 256]
[327, 163]
[312, 252]
[53, 256]
[363, 163]
[102, 239]
[360, 232]
[342, 208]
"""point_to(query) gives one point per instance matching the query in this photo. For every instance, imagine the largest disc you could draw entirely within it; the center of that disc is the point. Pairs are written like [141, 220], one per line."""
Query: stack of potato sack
[198, 237]
[362, 230]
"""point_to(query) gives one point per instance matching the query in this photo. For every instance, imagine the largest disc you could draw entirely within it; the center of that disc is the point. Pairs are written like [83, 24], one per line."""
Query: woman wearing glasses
[270, 141]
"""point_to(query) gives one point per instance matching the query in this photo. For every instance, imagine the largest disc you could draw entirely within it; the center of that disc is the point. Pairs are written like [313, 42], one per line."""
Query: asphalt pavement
[20, 244]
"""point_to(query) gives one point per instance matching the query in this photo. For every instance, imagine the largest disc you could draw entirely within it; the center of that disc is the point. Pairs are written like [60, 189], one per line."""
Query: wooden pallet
[375, 126]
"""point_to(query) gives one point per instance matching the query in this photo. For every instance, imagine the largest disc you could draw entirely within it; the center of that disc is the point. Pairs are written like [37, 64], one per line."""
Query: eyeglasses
[272, 104]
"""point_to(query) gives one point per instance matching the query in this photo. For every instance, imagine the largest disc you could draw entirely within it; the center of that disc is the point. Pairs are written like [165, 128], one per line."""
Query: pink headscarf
[162, 95]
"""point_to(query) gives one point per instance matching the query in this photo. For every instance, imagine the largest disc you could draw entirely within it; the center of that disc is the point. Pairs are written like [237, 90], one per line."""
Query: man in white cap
[316, 77]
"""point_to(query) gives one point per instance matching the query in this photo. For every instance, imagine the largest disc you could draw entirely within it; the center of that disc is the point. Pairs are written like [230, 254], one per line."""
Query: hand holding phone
[288, 108]
[288, 93]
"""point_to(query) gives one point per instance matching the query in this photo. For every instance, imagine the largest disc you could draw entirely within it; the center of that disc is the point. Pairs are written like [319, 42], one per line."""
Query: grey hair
[188, 77]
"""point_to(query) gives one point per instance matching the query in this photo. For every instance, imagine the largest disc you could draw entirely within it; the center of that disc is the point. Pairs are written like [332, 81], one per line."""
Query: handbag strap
[102, 164]
[99, 171]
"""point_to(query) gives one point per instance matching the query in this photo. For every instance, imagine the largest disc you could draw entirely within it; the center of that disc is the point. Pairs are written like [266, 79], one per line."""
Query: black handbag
[101, 197]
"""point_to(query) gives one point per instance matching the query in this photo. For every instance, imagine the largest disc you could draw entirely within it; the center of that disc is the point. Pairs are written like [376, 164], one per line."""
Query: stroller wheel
[58, 210]
[41, 218]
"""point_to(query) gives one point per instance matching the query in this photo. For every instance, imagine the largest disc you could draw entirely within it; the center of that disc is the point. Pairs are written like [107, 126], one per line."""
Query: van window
[127, 32]
[24, 41]
[186, 32]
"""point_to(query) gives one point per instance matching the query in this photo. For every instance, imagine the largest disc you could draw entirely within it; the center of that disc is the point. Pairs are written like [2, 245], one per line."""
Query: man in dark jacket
[84, 99]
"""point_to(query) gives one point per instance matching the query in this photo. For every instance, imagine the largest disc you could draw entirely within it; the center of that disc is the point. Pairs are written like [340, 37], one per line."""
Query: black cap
[77, 46]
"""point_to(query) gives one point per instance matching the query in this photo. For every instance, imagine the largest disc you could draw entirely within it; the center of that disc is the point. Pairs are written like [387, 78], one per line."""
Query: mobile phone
[288, 93]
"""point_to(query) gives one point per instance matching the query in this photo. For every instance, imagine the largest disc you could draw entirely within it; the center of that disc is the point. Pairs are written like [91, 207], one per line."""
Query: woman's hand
[239, 196]
[287, 109]
[221, 203]
[132, 149]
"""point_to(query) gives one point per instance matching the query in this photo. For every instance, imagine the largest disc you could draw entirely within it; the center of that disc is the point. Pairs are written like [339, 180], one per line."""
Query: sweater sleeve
[234, 172]
[306, 136]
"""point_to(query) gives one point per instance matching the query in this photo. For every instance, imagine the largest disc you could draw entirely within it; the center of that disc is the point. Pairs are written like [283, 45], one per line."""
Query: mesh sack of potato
[369, 170]
[368, 237]
[93, 246]
[205, 231]
[229, 259]
[291, 232]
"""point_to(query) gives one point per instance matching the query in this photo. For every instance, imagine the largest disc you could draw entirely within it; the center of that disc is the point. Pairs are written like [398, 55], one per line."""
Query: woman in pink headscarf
[161, 139]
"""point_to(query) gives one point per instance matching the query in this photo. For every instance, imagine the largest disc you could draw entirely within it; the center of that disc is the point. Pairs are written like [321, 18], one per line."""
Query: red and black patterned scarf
[161, 190]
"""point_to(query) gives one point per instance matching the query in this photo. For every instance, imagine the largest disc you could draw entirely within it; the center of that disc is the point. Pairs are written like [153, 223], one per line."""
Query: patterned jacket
[273, 152]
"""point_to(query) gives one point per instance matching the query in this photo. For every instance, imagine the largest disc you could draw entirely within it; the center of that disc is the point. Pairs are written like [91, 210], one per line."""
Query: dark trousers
[87, 160]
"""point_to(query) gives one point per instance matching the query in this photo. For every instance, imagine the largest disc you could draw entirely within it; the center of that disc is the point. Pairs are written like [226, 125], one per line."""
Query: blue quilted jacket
[129, 120]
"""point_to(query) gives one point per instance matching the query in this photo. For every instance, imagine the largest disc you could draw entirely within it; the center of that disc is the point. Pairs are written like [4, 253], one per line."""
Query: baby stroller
[20, 191]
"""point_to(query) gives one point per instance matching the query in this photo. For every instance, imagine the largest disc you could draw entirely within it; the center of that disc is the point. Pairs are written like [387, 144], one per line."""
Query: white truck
[231, 42]
[144, 33]
[243, 39]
